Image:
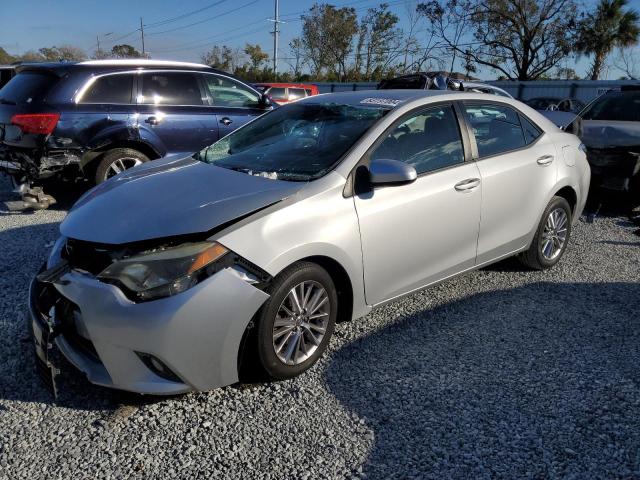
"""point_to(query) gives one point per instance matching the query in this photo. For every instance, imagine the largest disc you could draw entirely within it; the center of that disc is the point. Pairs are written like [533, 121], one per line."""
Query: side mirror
[391, 172]
[265, 101]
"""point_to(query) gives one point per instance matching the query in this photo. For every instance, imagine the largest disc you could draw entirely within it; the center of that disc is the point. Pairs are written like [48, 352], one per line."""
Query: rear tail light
[41, 123]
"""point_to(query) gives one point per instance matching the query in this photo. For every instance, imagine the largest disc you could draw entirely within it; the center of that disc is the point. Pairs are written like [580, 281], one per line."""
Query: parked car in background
[610, 128]
[282, 93]
[430, 81]
[313, 213]
[7, 72]
[555, 103]
[95, 119]
[561, 111]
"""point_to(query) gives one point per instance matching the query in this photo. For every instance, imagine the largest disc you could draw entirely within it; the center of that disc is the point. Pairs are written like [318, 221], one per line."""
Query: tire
[315, 280]
[538, 257]
[115, 159]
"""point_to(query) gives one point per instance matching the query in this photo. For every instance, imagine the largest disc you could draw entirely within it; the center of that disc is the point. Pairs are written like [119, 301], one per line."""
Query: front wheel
[118, 160]
[551, 238]
[296, 324]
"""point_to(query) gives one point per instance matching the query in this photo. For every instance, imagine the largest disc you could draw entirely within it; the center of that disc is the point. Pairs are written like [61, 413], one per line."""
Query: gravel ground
[502, 373]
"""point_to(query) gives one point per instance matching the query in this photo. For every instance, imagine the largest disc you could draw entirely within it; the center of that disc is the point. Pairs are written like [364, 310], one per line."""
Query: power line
[206, 19]
[195, 43]
[184, 15]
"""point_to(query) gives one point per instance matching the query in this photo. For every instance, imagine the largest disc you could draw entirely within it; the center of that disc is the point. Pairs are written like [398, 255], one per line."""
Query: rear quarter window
[28, 87]
[110, 89]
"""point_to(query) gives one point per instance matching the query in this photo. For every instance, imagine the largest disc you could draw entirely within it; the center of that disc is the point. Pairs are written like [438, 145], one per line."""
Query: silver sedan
[190, 273]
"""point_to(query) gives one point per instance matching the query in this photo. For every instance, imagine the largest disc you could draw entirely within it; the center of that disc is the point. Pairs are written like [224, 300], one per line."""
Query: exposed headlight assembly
[162, 273]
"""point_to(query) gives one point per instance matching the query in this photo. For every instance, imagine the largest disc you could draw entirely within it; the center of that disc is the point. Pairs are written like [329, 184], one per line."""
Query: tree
[628, 61]
[378, 43]
[6, 58]
[327, 39]
[566, 73]
[224, 58]
[608, 27]
[256, 55]
[522, 39]
[297, 57]
[125, 51]
[67, 53]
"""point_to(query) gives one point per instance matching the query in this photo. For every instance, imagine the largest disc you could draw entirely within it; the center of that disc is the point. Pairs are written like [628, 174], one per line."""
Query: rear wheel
[551, 237]
[296, 323]
[116, 161]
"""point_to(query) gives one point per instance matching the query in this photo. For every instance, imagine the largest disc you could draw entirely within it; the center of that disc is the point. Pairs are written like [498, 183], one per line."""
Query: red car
[282, 93]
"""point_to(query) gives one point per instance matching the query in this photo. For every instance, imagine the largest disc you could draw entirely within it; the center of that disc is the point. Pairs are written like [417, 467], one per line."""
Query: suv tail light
[41, 123]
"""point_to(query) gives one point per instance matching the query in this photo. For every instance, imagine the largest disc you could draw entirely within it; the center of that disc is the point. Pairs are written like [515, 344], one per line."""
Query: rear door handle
[467, 185]
[545, 160]
[152, 120]
[226, 121]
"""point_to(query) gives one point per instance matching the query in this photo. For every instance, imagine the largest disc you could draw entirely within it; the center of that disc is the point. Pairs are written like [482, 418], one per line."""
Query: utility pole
[142, 36]
[276, 34]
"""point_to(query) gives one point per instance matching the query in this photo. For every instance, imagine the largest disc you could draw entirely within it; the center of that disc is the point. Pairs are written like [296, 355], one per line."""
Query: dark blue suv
[94, 119]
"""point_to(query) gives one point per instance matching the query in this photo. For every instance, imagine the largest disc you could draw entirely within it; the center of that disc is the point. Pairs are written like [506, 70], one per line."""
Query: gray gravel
[502, 373]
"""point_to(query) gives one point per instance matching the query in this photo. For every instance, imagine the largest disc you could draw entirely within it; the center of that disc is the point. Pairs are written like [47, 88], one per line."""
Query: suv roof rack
[141, 62]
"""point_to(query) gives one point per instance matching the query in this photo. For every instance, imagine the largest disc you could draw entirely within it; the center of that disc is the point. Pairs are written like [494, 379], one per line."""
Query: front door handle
[226, 121]
[152, 120]
[467, 185]
[545, 160]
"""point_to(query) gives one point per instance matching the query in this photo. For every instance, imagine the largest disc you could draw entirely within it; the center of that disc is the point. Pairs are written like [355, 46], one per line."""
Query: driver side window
[429, 140]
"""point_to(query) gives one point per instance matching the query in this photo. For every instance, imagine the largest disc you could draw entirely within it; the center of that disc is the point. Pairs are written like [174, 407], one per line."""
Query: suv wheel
[116, 161]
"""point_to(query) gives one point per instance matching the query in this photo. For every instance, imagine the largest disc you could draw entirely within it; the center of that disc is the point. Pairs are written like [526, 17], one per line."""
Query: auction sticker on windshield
[390, 102]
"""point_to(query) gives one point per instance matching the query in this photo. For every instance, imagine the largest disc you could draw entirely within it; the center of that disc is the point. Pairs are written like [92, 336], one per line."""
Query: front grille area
[87, 256]
[65, 315]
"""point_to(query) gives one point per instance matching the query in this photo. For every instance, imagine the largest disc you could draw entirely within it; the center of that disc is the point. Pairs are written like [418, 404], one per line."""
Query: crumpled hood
[169, 197]
[606, 134]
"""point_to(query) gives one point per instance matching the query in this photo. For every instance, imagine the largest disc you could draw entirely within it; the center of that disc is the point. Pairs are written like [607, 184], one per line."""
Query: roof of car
[122, 64]
[284, 84]
[389, 98]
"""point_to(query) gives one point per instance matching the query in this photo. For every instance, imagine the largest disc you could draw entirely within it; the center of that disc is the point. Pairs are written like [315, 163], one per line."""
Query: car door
[234, 103]
[418, 233]
[518, 167]
[173, 107]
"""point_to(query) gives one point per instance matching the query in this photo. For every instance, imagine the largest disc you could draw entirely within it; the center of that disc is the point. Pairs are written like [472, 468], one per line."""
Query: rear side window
[496, 128]
[309, 91]
[110, 89]
[170, 88]
[531, 132]
[28, 87]
[296, 93]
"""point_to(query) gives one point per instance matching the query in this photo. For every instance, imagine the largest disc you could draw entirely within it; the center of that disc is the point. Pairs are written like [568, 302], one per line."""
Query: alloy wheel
[120, 165]
[554, 235]
[301, 322]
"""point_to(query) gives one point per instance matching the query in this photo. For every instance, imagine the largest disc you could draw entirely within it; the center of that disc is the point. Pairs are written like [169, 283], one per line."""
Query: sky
[174, 29]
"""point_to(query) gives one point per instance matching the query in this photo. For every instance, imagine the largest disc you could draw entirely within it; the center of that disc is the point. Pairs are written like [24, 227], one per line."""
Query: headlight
[162, 273]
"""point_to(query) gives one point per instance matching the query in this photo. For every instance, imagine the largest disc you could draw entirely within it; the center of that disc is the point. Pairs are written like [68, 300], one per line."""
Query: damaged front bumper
[189, 341]
[614, 168]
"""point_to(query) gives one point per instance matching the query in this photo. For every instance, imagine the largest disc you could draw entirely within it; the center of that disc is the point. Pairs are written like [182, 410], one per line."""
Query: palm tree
[611, 25]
